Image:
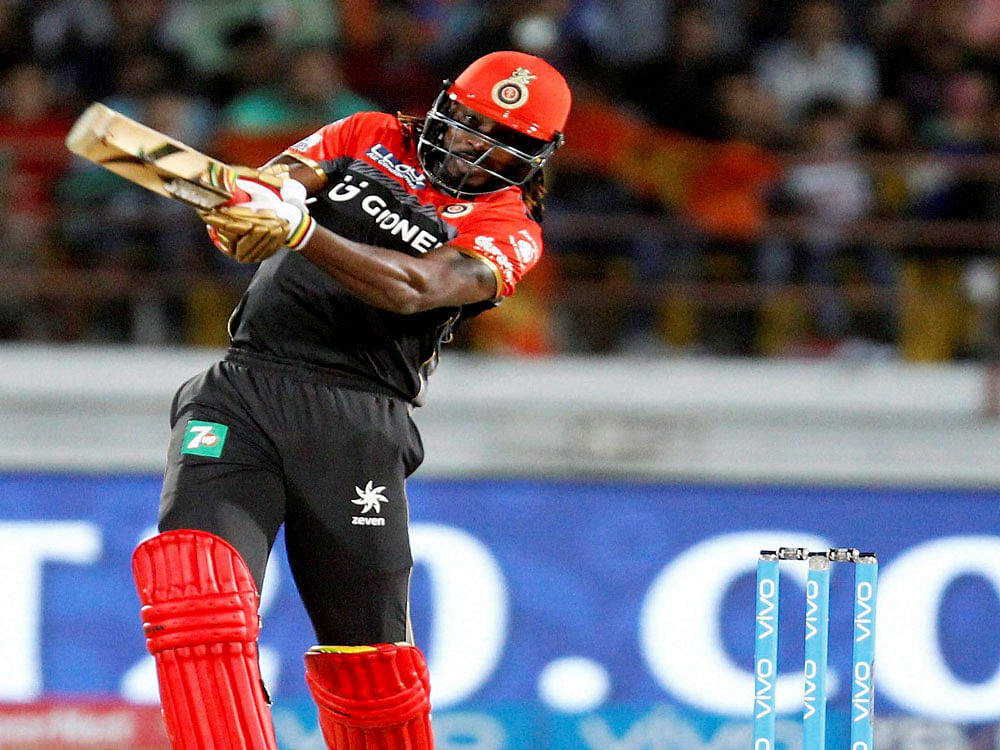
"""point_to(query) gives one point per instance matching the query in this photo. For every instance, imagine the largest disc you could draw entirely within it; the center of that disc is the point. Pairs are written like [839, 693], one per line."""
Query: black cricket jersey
[376, 193]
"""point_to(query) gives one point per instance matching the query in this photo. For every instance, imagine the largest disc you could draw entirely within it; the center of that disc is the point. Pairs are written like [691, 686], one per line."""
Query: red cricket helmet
[517, 89]
[522, 93]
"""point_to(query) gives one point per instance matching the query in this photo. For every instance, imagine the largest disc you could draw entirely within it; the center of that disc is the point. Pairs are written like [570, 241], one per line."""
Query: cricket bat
[151, 159]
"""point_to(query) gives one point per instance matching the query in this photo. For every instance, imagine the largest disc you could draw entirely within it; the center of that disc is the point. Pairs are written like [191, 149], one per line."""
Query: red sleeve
[329, 142]
[507, 241]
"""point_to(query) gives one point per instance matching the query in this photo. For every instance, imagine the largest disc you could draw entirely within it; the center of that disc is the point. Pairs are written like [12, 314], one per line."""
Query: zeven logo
[204, 438]
[369, 498]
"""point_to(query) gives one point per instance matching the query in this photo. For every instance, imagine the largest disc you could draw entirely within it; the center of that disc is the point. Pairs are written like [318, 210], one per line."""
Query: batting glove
[260, 220]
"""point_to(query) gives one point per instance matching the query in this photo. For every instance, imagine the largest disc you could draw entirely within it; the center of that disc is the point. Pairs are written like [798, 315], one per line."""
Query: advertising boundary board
[557, 599]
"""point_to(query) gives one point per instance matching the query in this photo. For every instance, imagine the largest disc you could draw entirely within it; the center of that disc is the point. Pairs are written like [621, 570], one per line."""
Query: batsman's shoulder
[374, 121]
[361, 127]
[341, 136]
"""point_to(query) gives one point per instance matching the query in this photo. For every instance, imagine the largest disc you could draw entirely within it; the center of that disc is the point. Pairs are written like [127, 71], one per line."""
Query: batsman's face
[472, 157]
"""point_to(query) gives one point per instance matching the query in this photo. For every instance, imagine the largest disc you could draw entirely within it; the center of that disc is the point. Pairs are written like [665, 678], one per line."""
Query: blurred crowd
[741, 177]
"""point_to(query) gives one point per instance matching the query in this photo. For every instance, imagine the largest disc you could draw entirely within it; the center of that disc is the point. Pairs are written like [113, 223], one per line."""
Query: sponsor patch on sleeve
[509, 245]
[525, 247]
[486, 246]
[204, 438]
[307, 143]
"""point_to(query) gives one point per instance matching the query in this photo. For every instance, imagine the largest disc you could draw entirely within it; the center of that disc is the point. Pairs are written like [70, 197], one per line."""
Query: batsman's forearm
[381, 277]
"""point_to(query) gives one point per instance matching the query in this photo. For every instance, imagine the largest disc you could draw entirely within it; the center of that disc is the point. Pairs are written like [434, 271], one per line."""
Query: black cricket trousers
[256, 444]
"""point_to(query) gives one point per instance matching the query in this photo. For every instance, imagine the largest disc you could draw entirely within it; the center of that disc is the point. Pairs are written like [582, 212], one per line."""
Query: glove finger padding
[253, 235]
[280, 171]
[259, 244]
[265, 236]
[223, 242]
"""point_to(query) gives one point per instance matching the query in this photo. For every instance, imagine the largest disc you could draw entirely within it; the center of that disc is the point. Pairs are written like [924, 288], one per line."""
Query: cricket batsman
[376, 236]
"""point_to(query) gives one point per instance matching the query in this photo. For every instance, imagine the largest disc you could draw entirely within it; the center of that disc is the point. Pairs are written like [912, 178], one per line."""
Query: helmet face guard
[495, 164]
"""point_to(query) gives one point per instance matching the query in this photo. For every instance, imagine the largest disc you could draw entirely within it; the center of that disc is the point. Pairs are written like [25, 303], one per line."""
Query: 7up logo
[204, 438]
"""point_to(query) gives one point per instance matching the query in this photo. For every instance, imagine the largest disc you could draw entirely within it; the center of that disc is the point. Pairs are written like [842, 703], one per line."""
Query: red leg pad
[371, 697]
[199, 614]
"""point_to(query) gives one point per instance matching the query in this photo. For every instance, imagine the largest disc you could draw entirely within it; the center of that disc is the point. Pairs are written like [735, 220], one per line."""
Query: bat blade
[148, 157]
